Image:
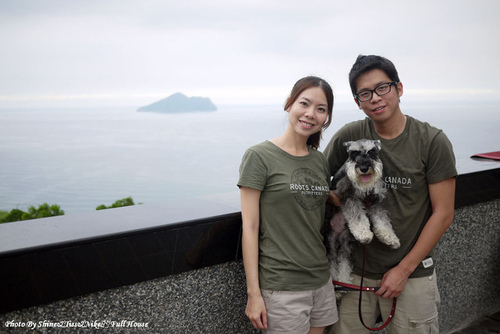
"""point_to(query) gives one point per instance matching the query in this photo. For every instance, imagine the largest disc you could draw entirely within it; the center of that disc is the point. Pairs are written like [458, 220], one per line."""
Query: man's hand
[393, 283]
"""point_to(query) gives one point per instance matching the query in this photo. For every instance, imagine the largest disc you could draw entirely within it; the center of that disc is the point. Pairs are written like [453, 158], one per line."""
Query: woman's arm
[256, 309]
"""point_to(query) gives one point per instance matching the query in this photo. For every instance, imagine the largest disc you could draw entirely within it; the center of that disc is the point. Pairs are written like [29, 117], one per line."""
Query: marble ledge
[25, 235]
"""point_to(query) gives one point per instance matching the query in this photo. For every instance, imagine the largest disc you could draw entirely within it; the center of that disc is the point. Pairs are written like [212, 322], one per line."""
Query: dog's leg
[359, 225]
[332, 257]
[382, 227]
[338, 227]
[344, 261]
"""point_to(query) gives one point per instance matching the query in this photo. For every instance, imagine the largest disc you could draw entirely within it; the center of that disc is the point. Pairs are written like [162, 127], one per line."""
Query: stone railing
[176, 267]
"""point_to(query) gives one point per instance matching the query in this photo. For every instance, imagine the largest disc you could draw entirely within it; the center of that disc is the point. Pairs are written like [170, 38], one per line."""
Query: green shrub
[43, 210]
[119, 203]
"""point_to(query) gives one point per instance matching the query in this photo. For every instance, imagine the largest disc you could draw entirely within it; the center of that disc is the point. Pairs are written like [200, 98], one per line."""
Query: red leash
[360, 288]
[352, 287]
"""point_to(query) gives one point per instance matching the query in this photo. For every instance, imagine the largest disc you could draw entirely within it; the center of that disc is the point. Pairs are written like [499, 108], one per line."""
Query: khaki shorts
[295, 312]
[416, 308]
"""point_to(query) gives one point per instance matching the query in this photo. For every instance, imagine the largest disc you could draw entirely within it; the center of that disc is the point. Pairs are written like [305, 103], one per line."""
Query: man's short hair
[367, 63]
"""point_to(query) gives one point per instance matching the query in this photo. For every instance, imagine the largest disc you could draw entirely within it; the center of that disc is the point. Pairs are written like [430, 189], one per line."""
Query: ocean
[81, 158]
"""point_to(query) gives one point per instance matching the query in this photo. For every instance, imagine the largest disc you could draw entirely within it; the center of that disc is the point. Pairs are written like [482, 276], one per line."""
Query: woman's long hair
[306, 83]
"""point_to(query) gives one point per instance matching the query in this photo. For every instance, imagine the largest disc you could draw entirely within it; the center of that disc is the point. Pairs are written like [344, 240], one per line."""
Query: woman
[284, 185]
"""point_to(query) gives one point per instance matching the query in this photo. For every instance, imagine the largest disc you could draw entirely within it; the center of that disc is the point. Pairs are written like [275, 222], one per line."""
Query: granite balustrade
[176, 267]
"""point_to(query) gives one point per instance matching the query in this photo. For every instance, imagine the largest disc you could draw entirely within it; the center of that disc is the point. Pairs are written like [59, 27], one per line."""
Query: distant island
[178, 103]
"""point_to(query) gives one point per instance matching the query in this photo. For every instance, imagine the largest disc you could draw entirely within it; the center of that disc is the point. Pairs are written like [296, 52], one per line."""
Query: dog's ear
[378, 144]
[347, 144]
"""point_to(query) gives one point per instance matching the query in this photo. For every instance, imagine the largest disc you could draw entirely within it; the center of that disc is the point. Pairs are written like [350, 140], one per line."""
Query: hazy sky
[135, 52]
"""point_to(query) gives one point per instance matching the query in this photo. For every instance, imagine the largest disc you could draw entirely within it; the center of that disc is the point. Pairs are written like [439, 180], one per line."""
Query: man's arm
[442, 196]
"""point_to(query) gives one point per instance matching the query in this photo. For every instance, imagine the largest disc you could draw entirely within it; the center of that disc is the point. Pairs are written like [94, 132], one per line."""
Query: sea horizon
[80, 158]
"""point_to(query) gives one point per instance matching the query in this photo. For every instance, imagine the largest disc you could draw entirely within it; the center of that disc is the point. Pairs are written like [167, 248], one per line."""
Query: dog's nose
[364, 163]
[364, 168]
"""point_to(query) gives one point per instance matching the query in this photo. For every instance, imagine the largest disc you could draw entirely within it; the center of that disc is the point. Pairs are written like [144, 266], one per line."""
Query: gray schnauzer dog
[360, 188]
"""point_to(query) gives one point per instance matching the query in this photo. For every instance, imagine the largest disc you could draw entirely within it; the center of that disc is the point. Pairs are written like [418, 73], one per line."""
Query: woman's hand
[256, 312]
[332, 198]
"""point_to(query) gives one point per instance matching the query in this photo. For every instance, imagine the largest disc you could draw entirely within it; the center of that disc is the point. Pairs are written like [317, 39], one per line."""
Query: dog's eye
[354, 154]
[372, 153]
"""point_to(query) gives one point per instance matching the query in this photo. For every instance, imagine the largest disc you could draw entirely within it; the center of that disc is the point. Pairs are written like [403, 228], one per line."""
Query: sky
[102, 53]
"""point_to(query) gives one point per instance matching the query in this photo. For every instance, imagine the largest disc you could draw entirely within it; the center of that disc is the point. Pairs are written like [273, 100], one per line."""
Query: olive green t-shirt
[294, 191]
[420, 156]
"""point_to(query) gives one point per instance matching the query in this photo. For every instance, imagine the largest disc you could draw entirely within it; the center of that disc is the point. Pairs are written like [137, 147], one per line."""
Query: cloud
[245, 51]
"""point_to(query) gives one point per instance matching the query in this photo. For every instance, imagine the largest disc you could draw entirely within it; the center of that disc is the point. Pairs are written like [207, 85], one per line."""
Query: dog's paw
[339, 294]
[390, 239]
[360, 229]
[364, 237]
[395, 244]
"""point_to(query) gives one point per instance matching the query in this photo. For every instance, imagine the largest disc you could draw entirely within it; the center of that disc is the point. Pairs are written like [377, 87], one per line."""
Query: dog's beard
[364, 182]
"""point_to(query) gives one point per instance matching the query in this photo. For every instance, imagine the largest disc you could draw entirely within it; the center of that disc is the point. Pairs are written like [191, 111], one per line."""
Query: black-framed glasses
[380, 90]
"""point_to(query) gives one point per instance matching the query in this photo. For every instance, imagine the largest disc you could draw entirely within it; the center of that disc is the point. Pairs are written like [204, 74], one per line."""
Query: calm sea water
[80, 158]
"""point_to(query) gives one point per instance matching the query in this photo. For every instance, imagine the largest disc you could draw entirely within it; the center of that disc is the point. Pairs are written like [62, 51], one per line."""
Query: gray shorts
[295, 312]
[416, 309]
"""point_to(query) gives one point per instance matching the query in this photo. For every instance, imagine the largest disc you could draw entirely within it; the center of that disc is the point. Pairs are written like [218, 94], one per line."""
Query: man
[419, 174]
